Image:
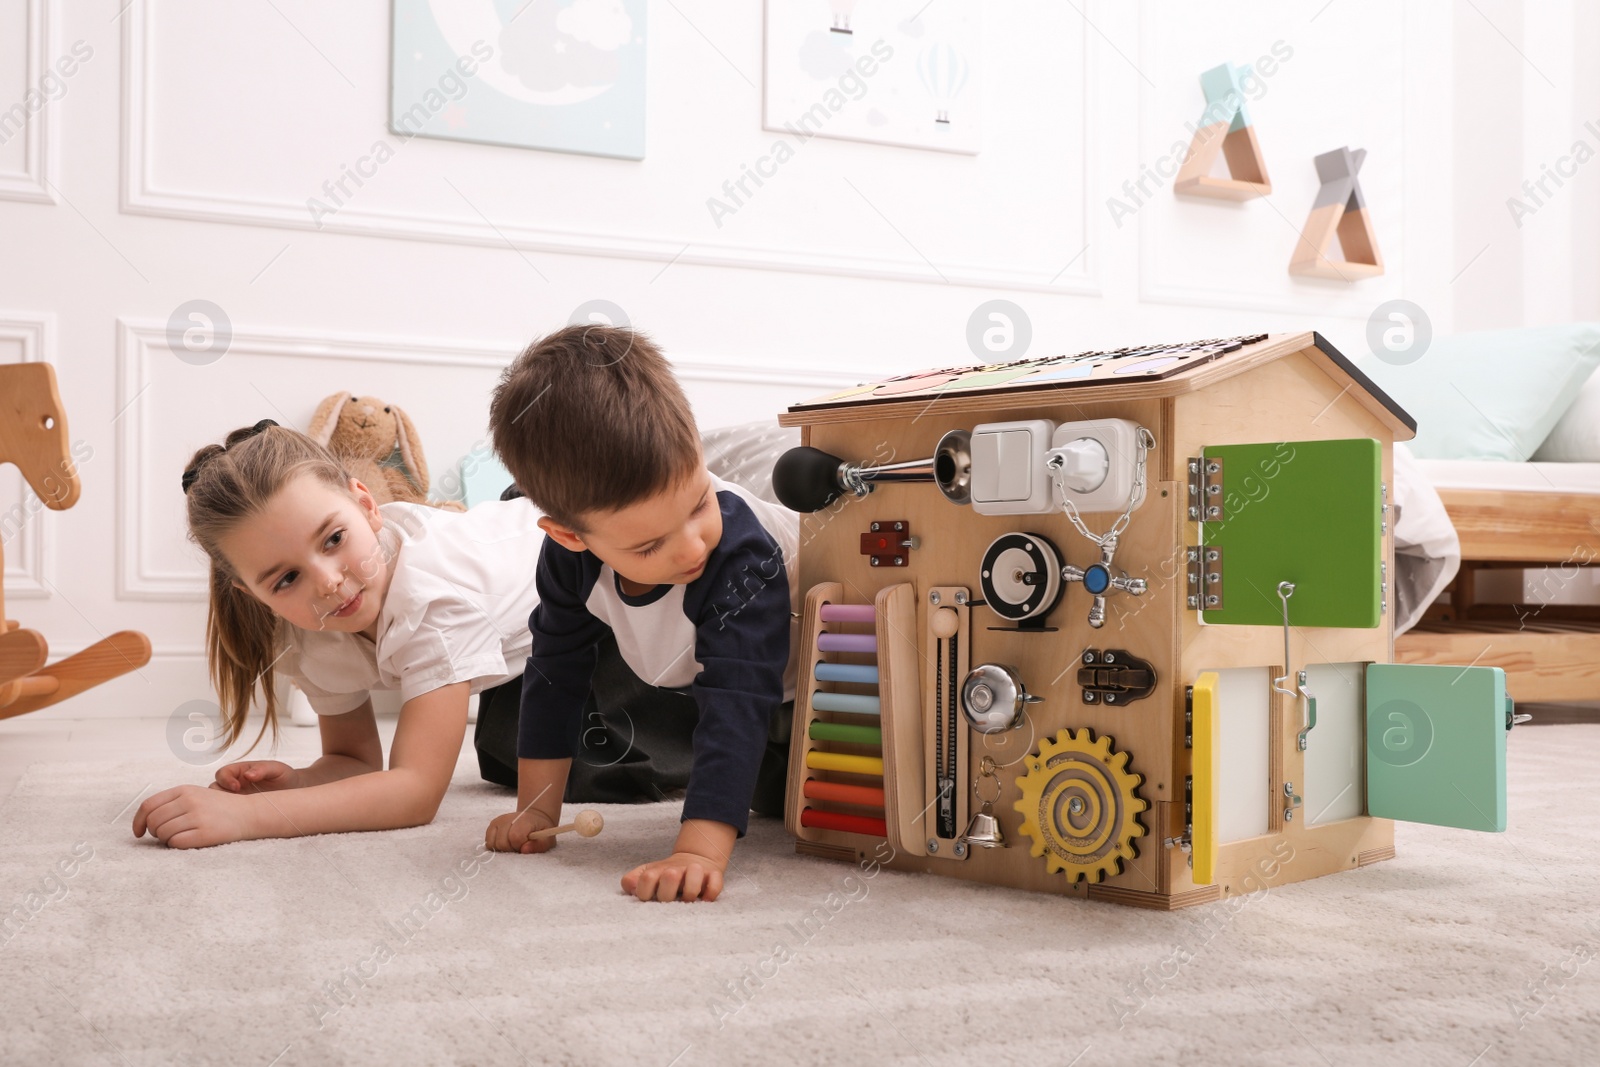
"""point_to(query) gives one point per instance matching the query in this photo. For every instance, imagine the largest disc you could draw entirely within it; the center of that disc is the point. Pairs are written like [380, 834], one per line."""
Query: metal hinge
[1206, 503]
[1205, 576]
[1188, 716]
[1184, 842]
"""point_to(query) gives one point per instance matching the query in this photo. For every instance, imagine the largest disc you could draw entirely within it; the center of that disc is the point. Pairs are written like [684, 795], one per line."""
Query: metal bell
[984, 829]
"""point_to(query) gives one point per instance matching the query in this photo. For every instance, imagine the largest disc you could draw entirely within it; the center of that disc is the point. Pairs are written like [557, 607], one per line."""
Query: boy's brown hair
[590, 419]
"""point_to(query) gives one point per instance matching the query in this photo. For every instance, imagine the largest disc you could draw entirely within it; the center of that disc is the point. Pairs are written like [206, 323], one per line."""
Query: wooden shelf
[1221, 188]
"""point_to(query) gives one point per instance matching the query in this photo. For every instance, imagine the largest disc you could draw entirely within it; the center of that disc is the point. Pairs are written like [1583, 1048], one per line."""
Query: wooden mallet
[588, 823]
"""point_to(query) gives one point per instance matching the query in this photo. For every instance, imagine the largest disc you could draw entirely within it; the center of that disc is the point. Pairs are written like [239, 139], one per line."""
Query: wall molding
[140, 196]
[27, 558]
[139, 341]
[32, 184]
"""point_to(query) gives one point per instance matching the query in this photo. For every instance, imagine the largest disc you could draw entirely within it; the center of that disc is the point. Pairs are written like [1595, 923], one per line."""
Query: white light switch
[1008, 472]
[1015, 465]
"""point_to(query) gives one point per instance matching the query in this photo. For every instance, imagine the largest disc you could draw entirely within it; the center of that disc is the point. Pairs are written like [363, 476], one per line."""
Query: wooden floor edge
[1157, 901]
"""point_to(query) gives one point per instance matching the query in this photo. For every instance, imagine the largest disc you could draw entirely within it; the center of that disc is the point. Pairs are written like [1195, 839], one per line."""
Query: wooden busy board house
[1116, 625]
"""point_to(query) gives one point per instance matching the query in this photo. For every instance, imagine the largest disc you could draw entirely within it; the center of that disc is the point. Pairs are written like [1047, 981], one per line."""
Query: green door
[1436, 744]
[1306, 512]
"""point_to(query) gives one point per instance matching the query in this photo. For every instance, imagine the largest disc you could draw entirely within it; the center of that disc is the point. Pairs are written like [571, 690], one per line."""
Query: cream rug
[410, 947]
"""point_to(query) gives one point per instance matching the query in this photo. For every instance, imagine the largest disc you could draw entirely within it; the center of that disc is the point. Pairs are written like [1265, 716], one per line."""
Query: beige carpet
[406, 947]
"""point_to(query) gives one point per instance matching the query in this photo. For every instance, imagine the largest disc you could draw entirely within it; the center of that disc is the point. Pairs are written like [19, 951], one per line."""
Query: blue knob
[1097, 579]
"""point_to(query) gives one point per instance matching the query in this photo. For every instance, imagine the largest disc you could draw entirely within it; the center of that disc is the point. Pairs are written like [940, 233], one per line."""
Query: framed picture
[563, 75]
[897, 72]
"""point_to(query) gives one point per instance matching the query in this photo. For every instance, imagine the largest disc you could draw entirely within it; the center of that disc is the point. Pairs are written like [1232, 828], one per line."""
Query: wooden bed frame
[1550, 653]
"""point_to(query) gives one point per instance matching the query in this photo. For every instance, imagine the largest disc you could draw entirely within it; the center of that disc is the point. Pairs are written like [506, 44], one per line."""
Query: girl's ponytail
[225, 485]
[241, 647]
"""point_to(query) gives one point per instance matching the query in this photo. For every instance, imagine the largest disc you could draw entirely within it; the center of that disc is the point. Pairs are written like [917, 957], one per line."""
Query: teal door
[1436, 744]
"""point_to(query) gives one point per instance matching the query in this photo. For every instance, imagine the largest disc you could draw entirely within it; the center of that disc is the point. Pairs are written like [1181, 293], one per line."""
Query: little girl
[310, 576]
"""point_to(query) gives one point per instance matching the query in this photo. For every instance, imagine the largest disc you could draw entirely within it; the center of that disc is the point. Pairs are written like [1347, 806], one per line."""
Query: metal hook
[1285, 591]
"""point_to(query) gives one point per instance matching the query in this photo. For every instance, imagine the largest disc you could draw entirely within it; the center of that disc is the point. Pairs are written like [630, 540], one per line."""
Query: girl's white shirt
[462, 588]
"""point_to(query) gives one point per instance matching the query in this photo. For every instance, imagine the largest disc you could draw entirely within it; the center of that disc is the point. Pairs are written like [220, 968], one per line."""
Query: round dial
[1021, 576]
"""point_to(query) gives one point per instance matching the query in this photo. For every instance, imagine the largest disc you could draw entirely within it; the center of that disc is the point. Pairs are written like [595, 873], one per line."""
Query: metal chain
[1147, 441]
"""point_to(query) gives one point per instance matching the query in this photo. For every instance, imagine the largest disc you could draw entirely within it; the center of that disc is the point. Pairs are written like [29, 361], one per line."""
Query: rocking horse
[33, 435]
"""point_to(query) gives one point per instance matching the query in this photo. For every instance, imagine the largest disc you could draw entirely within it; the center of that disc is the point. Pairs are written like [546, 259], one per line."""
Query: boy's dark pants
[636, 740]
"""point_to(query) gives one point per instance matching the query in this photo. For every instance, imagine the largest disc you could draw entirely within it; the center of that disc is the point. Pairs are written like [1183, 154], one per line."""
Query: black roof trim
[1362, 380]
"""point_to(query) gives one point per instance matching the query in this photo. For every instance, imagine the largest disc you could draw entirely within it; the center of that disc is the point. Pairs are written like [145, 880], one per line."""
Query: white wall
[177, 163]
[1525, 97]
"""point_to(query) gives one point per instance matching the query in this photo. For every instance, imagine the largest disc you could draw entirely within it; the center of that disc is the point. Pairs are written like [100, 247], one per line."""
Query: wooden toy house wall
[1283, 389]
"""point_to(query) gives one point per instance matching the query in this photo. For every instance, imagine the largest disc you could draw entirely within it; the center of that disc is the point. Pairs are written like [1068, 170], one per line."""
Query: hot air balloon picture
[904, 73]
[943, 71]
[842, 10]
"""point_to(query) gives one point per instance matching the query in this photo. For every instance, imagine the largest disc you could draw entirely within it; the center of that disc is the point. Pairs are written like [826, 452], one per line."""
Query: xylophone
[842, 746]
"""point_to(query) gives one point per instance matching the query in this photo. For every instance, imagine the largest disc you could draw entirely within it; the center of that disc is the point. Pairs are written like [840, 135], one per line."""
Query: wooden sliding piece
[911, 741]
[900, 684]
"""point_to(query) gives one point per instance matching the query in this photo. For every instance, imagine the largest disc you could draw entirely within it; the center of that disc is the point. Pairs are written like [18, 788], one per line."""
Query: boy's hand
[682, 876]
[693, 871]
[189, 816]
[509, 832]
[255, 776]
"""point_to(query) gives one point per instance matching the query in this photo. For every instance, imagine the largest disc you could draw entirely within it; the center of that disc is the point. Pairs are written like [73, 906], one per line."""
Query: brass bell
[984, 829]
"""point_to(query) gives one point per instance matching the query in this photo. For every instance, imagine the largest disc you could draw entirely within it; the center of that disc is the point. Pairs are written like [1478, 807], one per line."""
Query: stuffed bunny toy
[379, 445]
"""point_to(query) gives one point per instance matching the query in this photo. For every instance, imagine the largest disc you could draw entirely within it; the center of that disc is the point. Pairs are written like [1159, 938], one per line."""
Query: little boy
[694, 576]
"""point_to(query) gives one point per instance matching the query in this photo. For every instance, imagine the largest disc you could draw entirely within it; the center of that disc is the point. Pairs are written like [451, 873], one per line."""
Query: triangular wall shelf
[1340, 208]
[1225, 127]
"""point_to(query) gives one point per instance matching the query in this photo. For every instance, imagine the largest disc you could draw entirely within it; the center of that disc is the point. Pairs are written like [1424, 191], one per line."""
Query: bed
[1510, 518]
[1508, 443]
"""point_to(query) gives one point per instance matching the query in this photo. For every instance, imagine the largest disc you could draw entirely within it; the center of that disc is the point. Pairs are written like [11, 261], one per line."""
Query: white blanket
[1427, 552]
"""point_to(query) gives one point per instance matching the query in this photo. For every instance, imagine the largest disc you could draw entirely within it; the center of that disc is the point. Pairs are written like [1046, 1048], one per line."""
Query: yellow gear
[1080, 805]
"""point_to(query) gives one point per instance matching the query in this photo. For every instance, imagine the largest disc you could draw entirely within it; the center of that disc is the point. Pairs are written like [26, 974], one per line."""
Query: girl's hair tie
[234, 438]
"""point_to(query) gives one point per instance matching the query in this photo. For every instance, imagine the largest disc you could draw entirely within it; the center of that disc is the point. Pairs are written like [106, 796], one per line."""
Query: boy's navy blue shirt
[728, 636]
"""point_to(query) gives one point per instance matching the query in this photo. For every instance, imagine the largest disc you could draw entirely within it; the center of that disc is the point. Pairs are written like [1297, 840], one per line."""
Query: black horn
[808, 479]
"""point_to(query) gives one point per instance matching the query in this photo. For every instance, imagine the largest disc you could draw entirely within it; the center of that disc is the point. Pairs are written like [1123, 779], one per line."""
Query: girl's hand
[255, 776]
[189, 816]
[509, 832]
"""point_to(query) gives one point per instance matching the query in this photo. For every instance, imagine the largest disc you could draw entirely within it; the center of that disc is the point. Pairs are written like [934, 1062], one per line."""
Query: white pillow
[1492, 394]
[1576, 437]
[745, 454]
